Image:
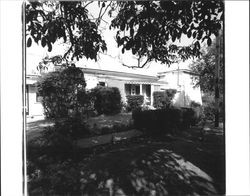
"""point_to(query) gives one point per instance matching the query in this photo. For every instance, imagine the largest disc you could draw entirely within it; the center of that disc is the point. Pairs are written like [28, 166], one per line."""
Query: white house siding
[119, 84]
[157, 87]
[35, 108]
[182, 82]
[179, 80]
[91, 81]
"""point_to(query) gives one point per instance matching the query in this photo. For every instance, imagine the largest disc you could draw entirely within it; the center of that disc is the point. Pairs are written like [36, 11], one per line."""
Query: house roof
[180, 70]
[119, 74]
[129, 78]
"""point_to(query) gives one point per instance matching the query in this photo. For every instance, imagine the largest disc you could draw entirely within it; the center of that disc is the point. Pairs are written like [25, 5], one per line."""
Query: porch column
[140, 89]
[151, 94]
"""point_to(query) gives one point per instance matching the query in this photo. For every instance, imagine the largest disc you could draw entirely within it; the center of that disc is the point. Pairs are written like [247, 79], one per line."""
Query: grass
[105, 121]
[99, 125]
[167, 165]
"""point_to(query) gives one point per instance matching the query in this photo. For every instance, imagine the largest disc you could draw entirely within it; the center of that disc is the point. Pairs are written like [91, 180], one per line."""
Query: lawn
[99, 125]
[141, 166]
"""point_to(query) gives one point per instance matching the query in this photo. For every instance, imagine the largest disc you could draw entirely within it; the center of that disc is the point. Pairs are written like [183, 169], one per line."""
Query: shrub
[107, 100]
[134, 102]
[209, 107]
[59, 140]
[163, 120]
[147, 107]
[197, 109]
[194, 104]
[72, 128]
[189, 117]
[63, 92]
[163, 99]
[57, 178]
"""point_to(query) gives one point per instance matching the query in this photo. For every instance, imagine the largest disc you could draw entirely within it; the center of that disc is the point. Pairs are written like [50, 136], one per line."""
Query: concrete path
[107, 138]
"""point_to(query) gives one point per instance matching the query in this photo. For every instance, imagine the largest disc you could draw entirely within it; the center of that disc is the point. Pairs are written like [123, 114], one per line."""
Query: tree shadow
[144, 171]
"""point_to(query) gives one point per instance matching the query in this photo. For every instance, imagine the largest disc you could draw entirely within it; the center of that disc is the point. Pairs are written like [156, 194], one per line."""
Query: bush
[59, 140]
[209, 107]
[63, 92]
[58, 178]
[194, 104]
[189, 117]
[134, 102]
[163, 99]
[107, 100]
[163, 120]
[197, 109]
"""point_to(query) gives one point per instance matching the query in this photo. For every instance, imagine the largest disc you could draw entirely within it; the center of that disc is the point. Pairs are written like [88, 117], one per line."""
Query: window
[128, 89]
[137, 89]
[101, 84]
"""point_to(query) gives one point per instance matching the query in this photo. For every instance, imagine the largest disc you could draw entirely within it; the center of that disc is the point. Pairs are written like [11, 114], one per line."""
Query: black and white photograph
[123, 98]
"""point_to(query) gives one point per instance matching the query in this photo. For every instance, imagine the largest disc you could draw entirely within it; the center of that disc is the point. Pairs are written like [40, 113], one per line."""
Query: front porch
[141, 89]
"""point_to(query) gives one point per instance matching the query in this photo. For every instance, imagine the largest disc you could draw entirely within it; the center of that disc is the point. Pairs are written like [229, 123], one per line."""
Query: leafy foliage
[209, 107]
[49, 21]
[107, 100]
[134, 102]
[150, 28]
[63, 92]
[205, 67]
[163, 99]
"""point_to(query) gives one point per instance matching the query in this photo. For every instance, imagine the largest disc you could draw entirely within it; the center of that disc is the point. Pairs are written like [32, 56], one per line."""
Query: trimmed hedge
[134, 102]
[164, 121]
[163, 99]
[107, 100]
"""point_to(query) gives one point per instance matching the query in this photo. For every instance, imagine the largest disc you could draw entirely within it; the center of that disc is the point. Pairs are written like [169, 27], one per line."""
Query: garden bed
[99, 125]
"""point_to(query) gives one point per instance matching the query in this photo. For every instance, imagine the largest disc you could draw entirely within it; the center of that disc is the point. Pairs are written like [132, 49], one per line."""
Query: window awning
[30, 81]
[145, 82]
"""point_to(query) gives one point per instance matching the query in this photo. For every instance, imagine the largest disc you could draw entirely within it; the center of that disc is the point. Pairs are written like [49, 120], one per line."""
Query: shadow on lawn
[144, 172]
[142, 166]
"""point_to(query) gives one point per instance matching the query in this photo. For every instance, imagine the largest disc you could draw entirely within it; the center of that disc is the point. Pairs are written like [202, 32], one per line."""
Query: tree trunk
[217, 76]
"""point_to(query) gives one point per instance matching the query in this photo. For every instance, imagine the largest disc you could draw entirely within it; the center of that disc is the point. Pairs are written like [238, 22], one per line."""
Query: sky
[110, 60]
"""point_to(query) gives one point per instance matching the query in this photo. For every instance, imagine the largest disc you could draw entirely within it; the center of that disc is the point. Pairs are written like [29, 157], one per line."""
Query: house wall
[119, 84]
[91, 81]
[35, 108]
[186, 92]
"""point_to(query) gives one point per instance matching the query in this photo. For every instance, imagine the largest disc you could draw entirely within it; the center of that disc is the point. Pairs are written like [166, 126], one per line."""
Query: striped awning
[145, 82]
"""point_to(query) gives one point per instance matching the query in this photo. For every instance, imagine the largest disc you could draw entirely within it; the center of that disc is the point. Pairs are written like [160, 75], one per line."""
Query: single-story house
[182, 81]
[128, 84]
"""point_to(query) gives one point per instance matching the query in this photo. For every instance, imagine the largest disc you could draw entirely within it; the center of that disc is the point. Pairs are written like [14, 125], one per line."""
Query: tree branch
[71, 37]
[138, 66]
[87, 4]
[102, 14]
[143, 65]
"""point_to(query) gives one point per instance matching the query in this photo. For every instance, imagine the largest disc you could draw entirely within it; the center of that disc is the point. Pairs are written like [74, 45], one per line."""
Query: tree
[49, 21]
[205, 67]
[149, 28]
[211, 69]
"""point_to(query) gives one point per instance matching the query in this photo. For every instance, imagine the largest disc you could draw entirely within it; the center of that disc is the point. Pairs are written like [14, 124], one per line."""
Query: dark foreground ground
[160, 166]
[167, 165]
